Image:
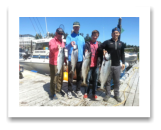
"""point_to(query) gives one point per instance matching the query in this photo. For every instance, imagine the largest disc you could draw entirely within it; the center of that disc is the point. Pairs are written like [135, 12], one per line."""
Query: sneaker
[70, 95]
[95, 97]
[79, 93]
[106, 98]
[85, 96]
[55, 97]
[101, 89]
[117, 98]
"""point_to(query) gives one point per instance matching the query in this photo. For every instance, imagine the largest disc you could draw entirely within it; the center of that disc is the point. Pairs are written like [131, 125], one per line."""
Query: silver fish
[86, 66]
[60, 60]
[105, 70]
[74, 58]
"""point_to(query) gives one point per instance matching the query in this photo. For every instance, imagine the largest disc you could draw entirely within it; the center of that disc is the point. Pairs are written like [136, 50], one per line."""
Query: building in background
[25, 42]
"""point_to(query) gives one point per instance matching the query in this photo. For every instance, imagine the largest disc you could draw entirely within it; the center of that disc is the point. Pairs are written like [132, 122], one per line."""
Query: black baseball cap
[59, 30]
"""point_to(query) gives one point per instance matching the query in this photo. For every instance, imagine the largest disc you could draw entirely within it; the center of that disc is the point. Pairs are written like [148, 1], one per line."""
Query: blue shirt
[79, 41]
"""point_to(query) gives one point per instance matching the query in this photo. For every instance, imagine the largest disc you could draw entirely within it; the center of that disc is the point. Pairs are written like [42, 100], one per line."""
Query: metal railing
[45, 56]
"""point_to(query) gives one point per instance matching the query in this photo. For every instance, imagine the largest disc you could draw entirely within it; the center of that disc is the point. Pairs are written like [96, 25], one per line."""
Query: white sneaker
[70, 95]
[79, 93]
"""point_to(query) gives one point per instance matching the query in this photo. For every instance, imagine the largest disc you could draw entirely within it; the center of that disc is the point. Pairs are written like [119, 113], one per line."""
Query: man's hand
[72, 43]
[65, 61]
[104, 52]
[99, 68]
[123, 66]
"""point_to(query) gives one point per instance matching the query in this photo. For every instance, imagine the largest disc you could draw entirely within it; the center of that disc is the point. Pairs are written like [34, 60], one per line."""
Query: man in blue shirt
[75, 39]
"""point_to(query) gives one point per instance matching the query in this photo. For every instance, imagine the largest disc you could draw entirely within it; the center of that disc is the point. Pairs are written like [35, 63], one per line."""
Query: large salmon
[74, 58]
[60, 60]
[86, 66]
[105, 70]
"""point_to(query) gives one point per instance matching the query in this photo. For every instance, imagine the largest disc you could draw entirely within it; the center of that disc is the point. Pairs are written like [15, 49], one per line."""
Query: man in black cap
[56, 81]
[116, 49]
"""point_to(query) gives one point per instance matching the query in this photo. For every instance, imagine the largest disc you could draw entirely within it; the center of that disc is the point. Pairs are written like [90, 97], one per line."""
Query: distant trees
[38, 36]
[81, 34]
[87, 38]
[125, 45]
[131, 48]
[65, 35]
[99, 41]
[52, 35]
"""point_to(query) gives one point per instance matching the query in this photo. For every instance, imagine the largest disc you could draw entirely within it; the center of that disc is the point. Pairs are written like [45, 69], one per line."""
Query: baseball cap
[76, 24]
[116, 29]
[59, 30]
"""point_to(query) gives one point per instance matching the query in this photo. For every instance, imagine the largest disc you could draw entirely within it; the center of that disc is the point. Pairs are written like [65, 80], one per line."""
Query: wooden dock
[34, 90]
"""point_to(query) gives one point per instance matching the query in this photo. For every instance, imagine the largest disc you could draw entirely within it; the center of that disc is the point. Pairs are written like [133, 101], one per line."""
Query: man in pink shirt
[56, 81]
[92, 47]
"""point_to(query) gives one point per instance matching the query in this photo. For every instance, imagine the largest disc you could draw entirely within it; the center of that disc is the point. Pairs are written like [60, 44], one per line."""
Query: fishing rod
[119, 26]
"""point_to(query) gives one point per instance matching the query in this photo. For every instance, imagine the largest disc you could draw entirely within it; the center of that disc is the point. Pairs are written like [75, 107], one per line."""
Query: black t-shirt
[116, 49]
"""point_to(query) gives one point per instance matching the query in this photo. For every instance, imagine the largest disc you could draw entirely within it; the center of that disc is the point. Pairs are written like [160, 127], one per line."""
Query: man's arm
[68, 43]
[87, 44]
[122, 54]
[100, 51]
[84, 46]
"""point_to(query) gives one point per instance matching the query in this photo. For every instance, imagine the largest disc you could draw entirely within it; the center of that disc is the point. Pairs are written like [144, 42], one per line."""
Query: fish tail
[102, 88]
[84, 82]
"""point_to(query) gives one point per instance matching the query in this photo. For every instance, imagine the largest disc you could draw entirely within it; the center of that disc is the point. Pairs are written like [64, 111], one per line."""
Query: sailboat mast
[46, 26]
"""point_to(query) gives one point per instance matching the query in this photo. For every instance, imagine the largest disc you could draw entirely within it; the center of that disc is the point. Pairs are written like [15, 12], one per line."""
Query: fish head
[61, 49]
[75, 47]
[87, 54]
[107, 56]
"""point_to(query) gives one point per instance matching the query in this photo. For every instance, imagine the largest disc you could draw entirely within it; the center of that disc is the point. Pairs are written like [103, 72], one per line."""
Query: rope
[36, 25]
[33, 26]
[40, 26]
[127, 87]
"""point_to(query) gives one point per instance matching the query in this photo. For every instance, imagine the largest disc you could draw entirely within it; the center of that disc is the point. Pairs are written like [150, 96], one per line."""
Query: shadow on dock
[47, 87]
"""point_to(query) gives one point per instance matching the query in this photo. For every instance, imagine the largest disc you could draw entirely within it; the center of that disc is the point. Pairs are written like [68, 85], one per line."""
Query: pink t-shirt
[53, 47]
[94, 56]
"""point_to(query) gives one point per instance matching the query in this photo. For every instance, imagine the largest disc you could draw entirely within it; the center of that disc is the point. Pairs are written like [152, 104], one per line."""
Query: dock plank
[131, 77]
[125, 87]
[136, 98]
[132, 91]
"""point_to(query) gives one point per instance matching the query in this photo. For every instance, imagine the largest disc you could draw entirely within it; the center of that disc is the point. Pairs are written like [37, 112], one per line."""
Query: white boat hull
[130, 57]
[38, 65]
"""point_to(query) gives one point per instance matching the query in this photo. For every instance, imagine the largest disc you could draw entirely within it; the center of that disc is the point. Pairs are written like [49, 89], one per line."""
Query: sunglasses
[60, 33]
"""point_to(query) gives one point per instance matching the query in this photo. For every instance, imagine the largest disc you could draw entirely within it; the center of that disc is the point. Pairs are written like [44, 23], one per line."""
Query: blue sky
[87, 24]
